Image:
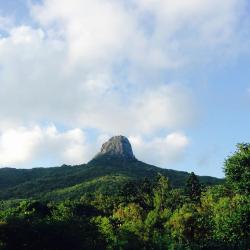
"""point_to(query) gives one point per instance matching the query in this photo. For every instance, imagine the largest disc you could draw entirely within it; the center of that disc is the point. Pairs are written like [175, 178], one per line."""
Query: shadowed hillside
[105, 173]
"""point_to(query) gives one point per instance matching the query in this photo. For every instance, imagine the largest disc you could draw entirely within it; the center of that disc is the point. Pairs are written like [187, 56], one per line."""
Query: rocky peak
[118, 146]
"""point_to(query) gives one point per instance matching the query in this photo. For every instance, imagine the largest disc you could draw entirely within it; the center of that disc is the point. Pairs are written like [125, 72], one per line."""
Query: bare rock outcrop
[117, 146]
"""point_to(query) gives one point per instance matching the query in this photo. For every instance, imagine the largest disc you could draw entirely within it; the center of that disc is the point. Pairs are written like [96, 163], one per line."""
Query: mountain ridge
[106, 172]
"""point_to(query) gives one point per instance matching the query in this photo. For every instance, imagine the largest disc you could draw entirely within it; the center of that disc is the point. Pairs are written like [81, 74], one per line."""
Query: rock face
[118, 146]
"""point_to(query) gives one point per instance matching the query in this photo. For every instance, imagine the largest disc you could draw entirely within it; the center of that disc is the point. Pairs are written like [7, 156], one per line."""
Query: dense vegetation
[103, 174]
[134, 213]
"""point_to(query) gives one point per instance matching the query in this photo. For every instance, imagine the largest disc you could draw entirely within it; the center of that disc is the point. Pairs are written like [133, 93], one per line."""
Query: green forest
[139, 213]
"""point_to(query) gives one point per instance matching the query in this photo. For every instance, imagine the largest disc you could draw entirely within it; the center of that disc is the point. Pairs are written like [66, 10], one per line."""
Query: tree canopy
[237, 168]
[141, 214]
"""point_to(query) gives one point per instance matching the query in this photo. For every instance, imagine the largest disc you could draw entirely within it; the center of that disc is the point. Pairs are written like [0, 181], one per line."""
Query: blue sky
[171, 76]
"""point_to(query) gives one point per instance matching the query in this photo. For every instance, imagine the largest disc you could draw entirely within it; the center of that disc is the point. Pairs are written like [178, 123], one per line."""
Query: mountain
[117, 146]
[113, 166]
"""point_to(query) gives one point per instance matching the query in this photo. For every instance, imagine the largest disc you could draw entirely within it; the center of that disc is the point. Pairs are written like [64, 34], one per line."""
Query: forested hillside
[105, 173]
[98, 175]
[113, 203]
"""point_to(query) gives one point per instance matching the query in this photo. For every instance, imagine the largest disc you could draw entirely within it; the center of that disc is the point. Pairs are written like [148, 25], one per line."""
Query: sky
[172, 76]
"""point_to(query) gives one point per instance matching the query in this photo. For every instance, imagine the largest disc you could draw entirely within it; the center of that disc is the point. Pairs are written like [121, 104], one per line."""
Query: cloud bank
[23, 145]
[104, 65]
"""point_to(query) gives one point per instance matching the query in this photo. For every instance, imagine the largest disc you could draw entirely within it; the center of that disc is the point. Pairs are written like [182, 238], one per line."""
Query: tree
[184, 224]
[129, 226]
[145, 194]
[231, 221]
[237, 169]
[130, 191]
[193, 188]
[161, 192]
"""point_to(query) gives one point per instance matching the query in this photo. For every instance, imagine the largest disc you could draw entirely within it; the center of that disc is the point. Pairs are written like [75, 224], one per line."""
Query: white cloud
[23, 145]
[95, 31]
[161, 151]
[99, 64]
[78, 66]
[26, 35]
[164, 107]
[44, 90]
[5, 23]
[148, 34]
[17, 146]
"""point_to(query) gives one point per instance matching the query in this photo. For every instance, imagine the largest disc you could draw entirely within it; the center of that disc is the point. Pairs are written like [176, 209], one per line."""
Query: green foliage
[183, 224]
[125, 205]
[35, 225]
[193, 188]
[231, 219]
[106, 176]
[161, 192]
[237, 169]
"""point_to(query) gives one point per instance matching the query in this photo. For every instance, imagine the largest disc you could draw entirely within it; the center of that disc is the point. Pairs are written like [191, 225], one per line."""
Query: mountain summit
[117, 146]
[106, 173]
